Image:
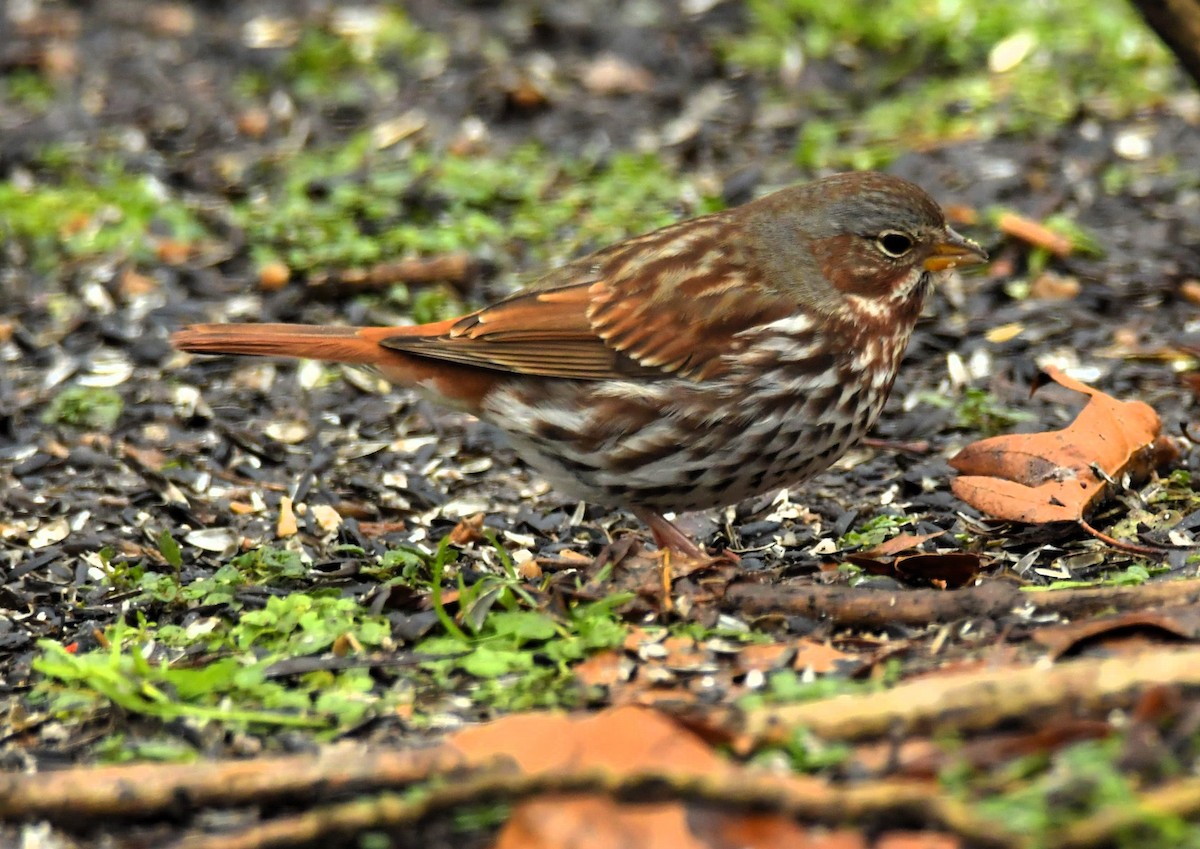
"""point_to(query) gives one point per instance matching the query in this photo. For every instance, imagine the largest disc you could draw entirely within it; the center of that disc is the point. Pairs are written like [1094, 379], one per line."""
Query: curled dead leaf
[468, 530]
[1058, 476]
[1179, 624]
[901, 558]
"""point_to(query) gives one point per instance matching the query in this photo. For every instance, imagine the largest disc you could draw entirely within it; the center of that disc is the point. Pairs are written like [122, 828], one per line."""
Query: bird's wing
[537, 332]
[668, 303]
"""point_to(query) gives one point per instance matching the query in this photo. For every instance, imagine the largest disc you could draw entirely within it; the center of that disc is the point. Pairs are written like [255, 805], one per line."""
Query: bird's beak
[954, 250]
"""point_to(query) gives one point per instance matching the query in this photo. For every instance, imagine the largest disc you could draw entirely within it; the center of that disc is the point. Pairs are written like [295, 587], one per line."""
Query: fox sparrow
[689, 368]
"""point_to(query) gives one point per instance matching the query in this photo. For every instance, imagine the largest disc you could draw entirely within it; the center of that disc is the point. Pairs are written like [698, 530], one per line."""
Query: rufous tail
[314, 342]
[462, 386]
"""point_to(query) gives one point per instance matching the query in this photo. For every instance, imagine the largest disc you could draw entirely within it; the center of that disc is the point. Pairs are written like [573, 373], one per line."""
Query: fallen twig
[866, 608]
[144, 790]
[1033, 233]
[976, 700]
[1179, 798]
[809, 800]
[456, 269]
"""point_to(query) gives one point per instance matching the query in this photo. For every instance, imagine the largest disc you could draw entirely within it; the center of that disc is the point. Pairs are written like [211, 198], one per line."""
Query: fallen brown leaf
[1178, 624]
[469, 529]
[1058, 476]
[819, 657]
[945, 570]
[624, 738]
[917, 840]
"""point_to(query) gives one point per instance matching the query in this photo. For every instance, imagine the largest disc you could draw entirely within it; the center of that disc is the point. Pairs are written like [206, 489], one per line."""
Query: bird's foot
[669, 538]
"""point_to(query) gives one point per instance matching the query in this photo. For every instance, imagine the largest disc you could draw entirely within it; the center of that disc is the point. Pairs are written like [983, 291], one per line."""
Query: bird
[689, 368]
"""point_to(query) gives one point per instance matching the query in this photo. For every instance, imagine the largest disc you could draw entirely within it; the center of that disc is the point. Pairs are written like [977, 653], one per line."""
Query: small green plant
[979, 411]
[228, 689]
[349, 59]
[1046, 793]
[874, 531]
[786, 686]
[519, 654]
[85, 407]
[120, 748]
[1180, 477]
[306, 624]
[267, 563]
[501, 649]
[231, 682]
[169, 549]
[1131, 576]
[811, 754]
[404, 565]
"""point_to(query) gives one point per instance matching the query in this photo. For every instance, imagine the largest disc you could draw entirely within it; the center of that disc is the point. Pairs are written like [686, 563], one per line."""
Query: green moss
[978, 410]
[73, 209]
[360, 53]
[27, 89]
[874, 531]
[85, 407]
[929, 79]
[354, 205]
[1044, 794]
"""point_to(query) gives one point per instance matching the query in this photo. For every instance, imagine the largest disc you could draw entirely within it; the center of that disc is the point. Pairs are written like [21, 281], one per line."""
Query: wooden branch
[1180, 798]
[142, 790]
[806, 799]
[977, 700]
[1177, 23]
[457, 269]
[866, 608]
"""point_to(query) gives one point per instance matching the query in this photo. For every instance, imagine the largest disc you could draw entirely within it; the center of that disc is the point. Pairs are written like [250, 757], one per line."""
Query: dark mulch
[165, 101]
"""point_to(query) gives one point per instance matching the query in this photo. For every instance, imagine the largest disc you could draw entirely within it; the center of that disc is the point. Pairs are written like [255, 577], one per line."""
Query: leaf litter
[840, 682]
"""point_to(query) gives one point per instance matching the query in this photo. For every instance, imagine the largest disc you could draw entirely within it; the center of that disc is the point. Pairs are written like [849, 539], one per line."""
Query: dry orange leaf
[1057, 476]
[900, 544]
[917, 840]
[468, 530]
[603, 669]
[620, 740]
[820, 657]
[590, 822]
[623, 741]
[593, 822]
[765, 657]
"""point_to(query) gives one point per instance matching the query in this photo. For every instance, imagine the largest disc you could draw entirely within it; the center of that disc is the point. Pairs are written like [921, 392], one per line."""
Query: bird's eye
[894, 244]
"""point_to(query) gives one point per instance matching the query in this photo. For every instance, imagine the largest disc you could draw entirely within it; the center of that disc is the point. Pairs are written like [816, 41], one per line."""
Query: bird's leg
[667, 536]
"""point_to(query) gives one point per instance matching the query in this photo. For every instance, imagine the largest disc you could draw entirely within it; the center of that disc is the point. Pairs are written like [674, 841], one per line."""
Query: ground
[166, 163]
